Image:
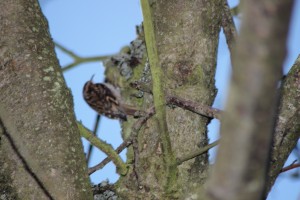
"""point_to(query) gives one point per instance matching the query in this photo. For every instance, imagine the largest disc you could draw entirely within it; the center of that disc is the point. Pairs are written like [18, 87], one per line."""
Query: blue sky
[93, 28]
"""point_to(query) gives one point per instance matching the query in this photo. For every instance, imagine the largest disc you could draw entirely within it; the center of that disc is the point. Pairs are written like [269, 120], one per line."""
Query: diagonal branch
[118, 150]
[291, 166]
[196, 153]
[194, 107]
[106, 148]
[228, 27]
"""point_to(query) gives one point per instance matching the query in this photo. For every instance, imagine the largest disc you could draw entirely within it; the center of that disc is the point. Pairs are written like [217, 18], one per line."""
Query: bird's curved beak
[92, 78]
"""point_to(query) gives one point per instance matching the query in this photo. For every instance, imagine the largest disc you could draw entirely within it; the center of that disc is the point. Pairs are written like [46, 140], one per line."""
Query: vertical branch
[243, 157]
[158, 94]
[38, 114]
[90, 148]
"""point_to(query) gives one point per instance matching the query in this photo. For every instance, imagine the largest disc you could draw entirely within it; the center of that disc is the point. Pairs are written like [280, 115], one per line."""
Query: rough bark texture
[288, 122]
[186, 34]
[187, 41]
[241, 166]
[41, 151]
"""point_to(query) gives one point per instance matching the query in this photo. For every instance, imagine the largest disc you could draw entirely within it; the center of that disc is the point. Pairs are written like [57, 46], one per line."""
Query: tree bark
[41, 151]
[185, 42]
[243, 157]
[288, 123]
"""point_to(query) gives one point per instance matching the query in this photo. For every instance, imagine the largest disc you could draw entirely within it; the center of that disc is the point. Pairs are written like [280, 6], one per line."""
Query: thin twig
[196, 153]
[78, 59]
[85, 60]
[291, 166]
[90, 148]
[183, 103]
[194, 107]
[66, 51]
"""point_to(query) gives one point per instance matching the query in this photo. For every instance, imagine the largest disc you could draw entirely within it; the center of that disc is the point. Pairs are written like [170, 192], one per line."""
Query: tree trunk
[41, 151]
[185, 43]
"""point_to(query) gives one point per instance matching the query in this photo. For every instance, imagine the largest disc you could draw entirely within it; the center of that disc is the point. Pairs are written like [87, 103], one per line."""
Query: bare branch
[78, 59]
[228, 27]
[183, 103]
[66, 51]
[291, 166]
[118, 150]
[106, 148]
[196, 153]
[194, 107]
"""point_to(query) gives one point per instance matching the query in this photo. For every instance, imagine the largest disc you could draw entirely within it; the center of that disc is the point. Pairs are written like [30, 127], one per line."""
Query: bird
[105, 99]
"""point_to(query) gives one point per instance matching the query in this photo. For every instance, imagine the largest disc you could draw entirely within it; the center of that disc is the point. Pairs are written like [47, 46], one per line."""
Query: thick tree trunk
[41, 151]
[186, 41]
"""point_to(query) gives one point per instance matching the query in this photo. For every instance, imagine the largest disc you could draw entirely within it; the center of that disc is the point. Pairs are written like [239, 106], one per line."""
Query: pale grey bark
[186, 35]
[36, 110]
[41, 151]
[288, 123]
[240, 172]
